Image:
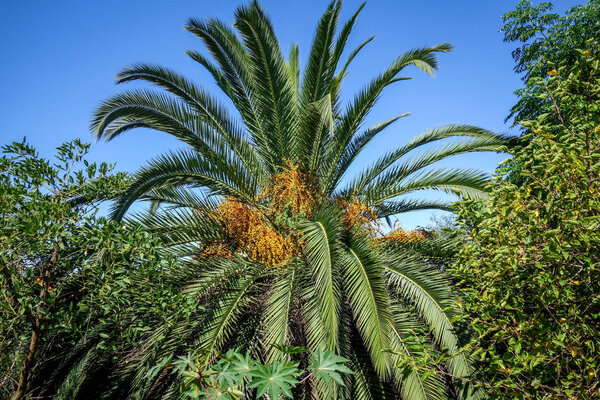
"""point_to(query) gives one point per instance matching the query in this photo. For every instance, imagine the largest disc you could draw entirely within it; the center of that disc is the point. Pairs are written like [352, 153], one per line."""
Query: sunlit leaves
[530, 265]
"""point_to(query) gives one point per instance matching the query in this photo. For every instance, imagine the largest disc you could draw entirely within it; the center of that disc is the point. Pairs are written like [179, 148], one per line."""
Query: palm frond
[366, 382]
[484, 141]
[150, 109]
[360, 387]
[317, 116]
[428, 290]
[186, 168]
[277, 315]
[314, 328]
[365, 286]
[414, 385]
[273, 92]
[175, 197]
[464, 183]
[320, 68]
[339, 77]
[423, 58]
[181, 230]
[342, 39]
[343, 72]
[321, 244]
[74, 379]
[208, 276]
[403, 205]
[225, 311]
[233, 75]
[321, 117]
[364, 101]
[207, 108]
[339, 161]
[294, 70]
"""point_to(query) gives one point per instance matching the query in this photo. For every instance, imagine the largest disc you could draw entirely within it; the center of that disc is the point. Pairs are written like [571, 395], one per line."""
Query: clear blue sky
[59, 59]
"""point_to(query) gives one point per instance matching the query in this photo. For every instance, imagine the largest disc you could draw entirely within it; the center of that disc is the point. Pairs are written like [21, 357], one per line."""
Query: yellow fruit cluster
[250, 235]
[217, 250]
[291, 190]
[251, 231]
[358, 215]
[398, 235]
[262, 232]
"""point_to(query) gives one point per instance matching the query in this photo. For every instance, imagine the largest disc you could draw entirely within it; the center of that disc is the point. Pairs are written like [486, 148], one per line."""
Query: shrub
[530, 268]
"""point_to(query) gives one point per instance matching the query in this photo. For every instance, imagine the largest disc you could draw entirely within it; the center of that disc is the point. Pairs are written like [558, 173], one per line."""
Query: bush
[531, 265]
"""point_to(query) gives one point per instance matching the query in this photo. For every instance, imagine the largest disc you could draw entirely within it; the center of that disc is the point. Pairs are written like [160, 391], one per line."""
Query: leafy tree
[278, 243]
[117, 294]
[530, 266]
[77, 289]
[43, 207]
[544, 38]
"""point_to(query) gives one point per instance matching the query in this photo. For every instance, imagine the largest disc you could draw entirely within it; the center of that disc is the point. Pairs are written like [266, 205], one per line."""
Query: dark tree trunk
[36, 322]
[28, 362]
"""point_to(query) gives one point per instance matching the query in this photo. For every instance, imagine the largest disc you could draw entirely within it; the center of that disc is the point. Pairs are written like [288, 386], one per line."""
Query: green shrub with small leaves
[76, 289]
[44, 207]
[531, 263]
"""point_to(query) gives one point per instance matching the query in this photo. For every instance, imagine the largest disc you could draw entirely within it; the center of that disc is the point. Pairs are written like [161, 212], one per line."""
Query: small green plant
[234, 374]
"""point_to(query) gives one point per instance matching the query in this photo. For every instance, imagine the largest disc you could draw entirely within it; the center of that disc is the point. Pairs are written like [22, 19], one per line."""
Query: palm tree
[276, 237]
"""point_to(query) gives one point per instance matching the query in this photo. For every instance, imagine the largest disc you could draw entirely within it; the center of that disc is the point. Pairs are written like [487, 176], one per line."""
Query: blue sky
[60, 58]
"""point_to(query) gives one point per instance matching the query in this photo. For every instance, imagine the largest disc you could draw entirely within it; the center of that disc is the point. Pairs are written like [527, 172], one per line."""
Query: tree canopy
[529, 266]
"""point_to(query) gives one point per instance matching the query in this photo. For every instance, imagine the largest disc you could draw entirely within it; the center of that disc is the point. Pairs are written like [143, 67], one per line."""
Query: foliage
[77, 289]
[546, 38]
[530, 266]
[272, 235]
[226, 375]
[44, 208]
[327, 366]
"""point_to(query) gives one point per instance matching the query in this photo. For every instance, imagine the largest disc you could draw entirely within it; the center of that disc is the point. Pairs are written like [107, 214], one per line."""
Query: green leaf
[327, 366]
[237, 367]
[278, 378]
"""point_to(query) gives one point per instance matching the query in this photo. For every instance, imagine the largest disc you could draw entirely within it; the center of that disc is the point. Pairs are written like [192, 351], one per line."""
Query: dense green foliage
[68, 300]
[44, 210]
[544, 38]
[531, 264]
[261, 270]
[256, 208]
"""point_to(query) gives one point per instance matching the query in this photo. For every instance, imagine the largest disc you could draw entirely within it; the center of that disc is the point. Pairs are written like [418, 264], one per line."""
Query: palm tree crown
[279, 243]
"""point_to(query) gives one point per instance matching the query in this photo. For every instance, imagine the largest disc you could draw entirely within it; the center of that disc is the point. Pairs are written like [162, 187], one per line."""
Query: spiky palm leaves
[340, 291]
